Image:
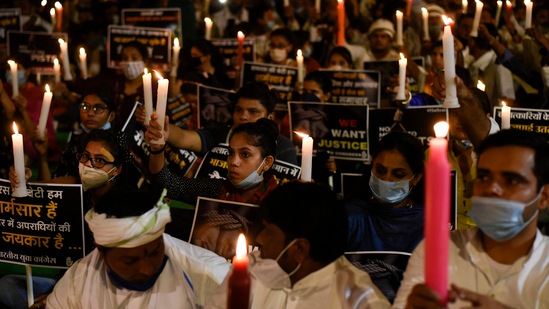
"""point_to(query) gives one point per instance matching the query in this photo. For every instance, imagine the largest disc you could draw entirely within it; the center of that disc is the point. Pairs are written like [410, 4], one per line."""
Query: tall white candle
[505, 116]
[402, 62]
[52, 17]
[30, 288]
[399, 28]
[476, 20]
[46, 102]
[464, 5]
[498, 13]
[175, 61]
[451, 100]
[147, 93]
[528, 21]
[300, 69]
[65, 58]
[57, 70]
[14, 80]
[286, 3]
[208, 21]
[161, 100]
[425, 17]
[317, 5]
[19, 163]
[83, 63]
[306, 156]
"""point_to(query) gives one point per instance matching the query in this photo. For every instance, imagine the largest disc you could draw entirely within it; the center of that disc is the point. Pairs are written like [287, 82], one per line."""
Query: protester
[380, 36]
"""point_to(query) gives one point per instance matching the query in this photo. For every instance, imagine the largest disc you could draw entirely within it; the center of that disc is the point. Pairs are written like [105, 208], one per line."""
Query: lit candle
[505, 116]
[175, 62]
[208, 21]
[399, 28]
[147, 93]
[476, 20]
[300, 70]
[286, 3]
[65, 58]
[59, 16]
[451, 100]
[306, 156]
[481, 86]
[19, 163]
[240, 49]
[317, 6]
[14, 80]
[57, 70]
[46, 102]
[239, 281]
[340, 23]
[498, 13]
[509, 5]
[161, 100]
[402, 62]
[52, 17]
[437, 212]
[528, 21]
[83, 63]
[464, 4]
[425, 16]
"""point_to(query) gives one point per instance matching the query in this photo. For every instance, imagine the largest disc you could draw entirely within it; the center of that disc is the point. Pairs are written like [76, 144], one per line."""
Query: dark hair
[322, 79]
[526, 139]
[409, 146]
[108, 138]
[123, 202]
[257, 12]
[465, 76]
[343, 52]
[286, 33]
[259, 91]
[104, 94]
[483, 99]
[484, 44]
[311, 211]
[141, 48]
[204, 46]
[262, 133]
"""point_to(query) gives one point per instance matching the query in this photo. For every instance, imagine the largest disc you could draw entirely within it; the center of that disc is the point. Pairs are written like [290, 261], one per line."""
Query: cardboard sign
[44, 228]
[280, 77]
[215, 106]
[10, 19]
[355, 87]
[227, 50]
[158, 42]
[338, 129]
[39, 48]
[165, 18]
[526, 119]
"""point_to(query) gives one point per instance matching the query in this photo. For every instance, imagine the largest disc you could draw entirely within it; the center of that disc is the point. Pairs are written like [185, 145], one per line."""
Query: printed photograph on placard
[215, 106]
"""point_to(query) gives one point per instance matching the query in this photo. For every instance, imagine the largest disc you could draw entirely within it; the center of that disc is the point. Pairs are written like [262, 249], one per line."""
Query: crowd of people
[496, 256]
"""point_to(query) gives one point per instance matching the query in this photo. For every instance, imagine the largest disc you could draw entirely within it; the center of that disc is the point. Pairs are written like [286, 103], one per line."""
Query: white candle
[481, 86]
[175, 62]
[300, 70]
[14, 80]
[464, 5]
[46, 102]
[147, 93]
[425, 16]
[65, 58]
[528, 21]
[476, 20]
[399, 28]
[57, 70]
[286, 3]
[451, 100]
[19, 163]
[402, 62]
[498, 13]
[317, 5]
[505, 116]
[306, 156]
[52, 16]
[208, 21]
[30, 288]
[83, 63]
[161, 100]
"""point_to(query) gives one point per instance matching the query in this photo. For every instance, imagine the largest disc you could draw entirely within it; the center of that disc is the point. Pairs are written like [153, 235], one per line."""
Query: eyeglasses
[95, 162]
[97, 108]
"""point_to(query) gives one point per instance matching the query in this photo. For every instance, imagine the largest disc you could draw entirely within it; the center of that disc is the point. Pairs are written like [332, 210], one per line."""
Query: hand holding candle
[306, 156]
[505, 116]
[437, 213]
[402, 62]
[451, 100]
[83, 63]
[161, 101]
[46, 102]
[14, 79]
[19, 163]
[239, 281]
[147, 94]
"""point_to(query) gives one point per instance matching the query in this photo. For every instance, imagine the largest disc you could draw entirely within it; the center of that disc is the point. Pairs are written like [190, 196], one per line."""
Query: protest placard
[165, 18]
[355, 87]
[215, 106]
[226, 49]
[527, 119]
[39, 48]
[279, 77]
[10, 19]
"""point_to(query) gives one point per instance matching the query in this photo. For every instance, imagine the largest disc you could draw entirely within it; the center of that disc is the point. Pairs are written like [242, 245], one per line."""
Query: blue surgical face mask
[389, 191]
[21, 77]
[271, 25]
[251, 180]
[500, 219]
[308, 52]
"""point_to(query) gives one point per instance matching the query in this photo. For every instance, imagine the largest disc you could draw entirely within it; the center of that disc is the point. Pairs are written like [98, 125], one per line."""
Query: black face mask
[234, 8]
[195, 62]
[309, 97]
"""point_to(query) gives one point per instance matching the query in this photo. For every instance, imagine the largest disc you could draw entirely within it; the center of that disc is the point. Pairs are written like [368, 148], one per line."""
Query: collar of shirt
[485, 60]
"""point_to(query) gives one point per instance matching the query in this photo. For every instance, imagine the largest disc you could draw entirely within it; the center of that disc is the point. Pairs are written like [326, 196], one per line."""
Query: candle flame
[15, 128]
[52, 12]
[398, 13]
[447, 20]
[55, 61]
[47, 88]
[82, 51]
[464, 3]
[240, 35]
[44, 2]
[424, 11]
[299, 53]
[303, 135]
[339, 1]
[158, 75]
[481, 86]
[145, 71]
[499, 3]
[503, 104]
[208, 21]
[402, 56]
[58, 5]
[526, 2]
[241, 247]
[12, 64]
[61, 41]
[176, 42]
[509, 4]
[441, 129]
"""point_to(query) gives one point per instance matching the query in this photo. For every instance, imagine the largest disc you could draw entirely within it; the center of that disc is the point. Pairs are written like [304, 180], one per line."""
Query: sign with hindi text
[165, 18]
[10, 19]
[279, 77]
[527, 119]
[355, 87]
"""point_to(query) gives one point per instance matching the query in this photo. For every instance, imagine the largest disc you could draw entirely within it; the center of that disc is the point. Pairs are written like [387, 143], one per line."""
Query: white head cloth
[129, 232]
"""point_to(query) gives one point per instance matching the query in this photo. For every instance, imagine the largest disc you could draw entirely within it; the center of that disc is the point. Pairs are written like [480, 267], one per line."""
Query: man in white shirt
[380, 37]
[301, 263]
[503, 264]
[136, 265]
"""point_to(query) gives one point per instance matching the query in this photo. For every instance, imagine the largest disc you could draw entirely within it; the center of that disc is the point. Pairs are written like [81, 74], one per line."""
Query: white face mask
[336, 67]
[92, 178]
[251, 180]
[278, 54]
[269, 272]
[389, 191]
[133, 69]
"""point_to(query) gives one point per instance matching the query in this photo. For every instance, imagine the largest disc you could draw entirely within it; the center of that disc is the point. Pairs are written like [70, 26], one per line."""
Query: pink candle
[340, 23]
[239, 280]
[240, 50]
[437, 212]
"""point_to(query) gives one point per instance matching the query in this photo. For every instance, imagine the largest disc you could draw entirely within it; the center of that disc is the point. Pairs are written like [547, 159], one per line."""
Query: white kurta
[338, 285]
[189, 278]
[524, 285]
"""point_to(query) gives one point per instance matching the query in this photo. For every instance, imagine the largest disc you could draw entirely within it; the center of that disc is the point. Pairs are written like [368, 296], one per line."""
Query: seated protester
[253, 101]
[339, 58]
[503, 263]
[301, 263]
[386, 218]
[281, 48]
[136, 265]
